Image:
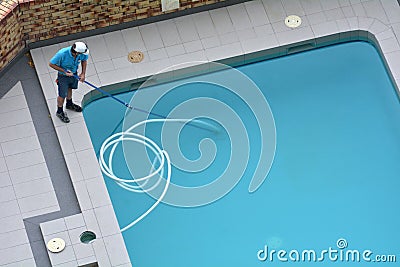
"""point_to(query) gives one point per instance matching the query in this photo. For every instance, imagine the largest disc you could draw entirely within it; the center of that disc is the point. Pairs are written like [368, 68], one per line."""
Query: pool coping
[87, 179]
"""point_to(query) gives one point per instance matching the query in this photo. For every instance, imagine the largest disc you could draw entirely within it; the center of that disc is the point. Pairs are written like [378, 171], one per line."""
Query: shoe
[74, 107]
[63, 117]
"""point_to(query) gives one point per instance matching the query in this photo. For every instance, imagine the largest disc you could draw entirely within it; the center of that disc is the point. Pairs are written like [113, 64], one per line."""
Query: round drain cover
[293, 21]
[56, 245]
[135, 56]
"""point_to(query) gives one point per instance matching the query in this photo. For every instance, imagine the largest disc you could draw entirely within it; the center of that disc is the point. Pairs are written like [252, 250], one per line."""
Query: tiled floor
[237, 30]
[26, 188]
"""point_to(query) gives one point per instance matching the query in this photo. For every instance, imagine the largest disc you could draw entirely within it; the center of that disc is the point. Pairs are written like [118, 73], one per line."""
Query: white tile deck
[206, 36]
[25, 186]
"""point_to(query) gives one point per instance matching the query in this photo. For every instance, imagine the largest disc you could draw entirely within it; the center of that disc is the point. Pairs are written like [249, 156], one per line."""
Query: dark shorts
[65, 82]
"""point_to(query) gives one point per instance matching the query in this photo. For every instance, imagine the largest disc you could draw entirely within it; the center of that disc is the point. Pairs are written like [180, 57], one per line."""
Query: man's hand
[82, 77]
[69, 73]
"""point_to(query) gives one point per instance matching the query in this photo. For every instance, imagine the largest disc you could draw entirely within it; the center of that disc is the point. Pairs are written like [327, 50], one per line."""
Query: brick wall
[10, 37]
[39, 20]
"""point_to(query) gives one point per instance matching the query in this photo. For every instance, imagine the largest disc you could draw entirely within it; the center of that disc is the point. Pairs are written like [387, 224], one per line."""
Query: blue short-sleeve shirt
[66, 60]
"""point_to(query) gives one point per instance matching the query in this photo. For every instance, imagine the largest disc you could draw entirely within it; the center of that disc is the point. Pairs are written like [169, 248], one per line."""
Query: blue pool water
[334, 177]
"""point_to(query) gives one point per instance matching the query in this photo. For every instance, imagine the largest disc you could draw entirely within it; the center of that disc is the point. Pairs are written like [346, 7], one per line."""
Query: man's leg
[60, 103]
[69, 94]
[70, 104]
[62, 93]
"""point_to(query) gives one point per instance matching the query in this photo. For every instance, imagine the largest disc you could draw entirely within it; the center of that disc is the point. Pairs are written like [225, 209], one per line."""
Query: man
[66, 61]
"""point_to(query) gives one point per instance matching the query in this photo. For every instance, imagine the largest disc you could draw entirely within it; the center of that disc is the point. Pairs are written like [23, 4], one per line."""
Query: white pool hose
[131, 184]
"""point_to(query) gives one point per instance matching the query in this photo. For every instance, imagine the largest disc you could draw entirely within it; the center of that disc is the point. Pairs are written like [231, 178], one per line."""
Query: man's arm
[58, 68]
[83, 73]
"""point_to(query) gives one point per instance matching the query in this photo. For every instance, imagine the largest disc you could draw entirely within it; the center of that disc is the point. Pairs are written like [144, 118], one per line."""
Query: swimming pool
[333, 184]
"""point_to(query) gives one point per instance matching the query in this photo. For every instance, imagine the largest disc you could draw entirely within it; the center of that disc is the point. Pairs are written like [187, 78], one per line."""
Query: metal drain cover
[56, 245]
[293, 21]
[135, 56]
